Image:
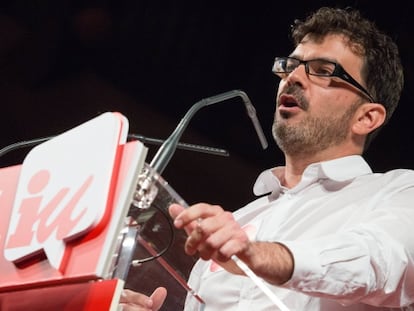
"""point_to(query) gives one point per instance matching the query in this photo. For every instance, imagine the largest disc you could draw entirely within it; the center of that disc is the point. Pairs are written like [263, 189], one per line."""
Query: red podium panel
[90, 296]
[63, 211]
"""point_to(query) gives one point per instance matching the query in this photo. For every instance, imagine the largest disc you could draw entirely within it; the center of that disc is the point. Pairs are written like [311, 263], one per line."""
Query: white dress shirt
[351, 233]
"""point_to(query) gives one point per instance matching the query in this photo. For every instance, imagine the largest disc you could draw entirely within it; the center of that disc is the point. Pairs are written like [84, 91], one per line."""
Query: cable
[138, 262]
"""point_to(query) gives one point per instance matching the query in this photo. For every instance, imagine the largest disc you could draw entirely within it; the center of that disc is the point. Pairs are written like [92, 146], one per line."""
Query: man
[330, 235]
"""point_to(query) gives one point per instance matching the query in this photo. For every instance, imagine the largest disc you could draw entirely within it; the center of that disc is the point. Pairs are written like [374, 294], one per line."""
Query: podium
[72, 231]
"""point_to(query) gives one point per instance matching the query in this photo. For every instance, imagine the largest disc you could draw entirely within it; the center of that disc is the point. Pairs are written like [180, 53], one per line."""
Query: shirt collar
[337, 170]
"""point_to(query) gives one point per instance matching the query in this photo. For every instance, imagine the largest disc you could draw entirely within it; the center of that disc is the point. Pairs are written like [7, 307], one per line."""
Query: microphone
[141, 138]
[167, 149]
[183, 146]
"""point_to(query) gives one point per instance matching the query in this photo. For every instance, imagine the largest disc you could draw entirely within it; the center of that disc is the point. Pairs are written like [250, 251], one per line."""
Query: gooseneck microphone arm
[167, 149]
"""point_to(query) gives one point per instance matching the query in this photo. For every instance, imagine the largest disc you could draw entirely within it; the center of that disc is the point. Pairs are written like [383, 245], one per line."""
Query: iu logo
[63, 190]
[39, 224]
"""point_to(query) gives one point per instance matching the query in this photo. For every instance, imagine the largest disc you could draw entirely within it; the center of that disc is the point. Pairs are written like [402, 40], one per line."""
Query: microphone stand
[167, 149]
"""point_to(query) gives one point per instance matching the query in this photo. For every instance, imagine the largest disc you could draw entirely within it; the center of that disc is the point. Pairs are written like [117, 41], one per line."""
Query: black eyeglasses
[319, 68]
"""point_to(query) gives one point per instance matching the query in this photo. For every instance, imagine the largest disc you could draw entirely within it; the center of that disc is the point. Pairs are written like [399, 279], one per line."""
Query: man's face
[312, 116]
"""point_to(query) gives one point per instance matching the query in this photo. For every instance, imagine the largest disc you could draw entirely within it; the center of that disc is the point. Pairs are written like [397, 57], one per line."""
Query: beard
[312, 134]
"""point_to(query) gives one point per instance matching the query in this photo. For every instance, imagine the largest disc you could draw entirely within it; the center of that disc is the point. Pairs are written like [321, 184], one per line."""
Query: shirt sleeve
[371, 262]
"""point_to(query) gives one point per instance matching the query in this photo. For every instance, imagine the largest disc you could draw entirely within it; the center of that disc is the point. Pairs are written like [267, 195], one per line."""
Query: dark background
[63, 62]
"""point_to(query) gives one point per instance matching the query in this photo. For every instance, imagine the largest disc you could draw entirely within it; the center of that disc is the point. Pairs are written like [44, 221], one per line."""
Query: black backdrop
[64, 62]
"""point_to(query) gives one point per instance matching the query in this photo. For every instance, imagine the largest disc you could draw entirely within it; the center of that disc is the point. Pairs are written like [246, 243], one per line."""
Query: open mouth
[288, 101]
[288, 105]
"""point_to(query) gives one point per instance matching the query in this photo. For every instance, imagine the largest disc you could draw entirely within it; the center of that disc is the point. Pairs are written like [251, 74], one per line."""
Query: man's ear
[368, 117]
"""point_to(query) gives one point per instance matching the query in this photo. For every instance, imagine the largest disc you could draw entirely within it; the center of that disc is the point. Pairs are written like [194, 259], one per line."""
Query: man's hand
[212, 232]
[215, 234]
[134, 301]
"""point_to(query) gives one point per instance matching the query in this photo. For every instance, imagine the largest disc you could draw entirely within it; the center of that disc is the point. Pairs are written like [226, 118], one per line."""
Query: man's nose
[298, 75]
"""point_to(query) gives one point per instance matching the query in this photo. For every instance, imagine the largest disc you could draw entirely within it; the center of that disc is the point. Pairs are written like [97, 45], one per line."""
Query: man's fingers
[174, 210]
[131, 297]
[135, 301]
[158, 298]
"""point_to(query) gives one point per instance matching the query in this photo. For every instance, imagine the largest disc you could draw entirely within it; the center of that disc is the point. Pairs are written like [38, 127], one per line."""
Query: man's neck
[296, 164]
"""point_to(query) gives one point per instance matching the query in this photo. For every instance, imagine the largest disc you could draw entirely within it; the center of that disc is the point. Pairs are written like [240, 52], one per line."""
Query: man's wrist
[269, 260]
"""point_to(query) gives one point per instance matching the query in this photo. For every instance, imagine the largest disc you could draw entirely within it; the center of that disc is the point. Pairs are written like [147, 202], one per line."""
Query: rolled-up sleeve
[370, 262]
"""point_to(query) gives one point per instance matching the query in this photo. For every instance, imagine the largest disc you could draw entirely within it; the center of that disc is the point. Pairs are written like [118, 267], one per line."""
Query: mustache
[297, 92]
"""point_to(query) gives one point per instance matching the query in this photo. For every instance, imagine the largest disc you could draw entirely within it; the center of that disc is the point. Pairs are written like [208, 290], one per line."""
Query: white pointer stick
[260, 283]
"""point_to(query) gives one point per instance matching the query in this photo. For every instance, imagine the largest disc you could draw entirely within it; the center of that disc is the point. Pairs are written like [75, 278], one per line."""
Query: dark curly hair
[382, 70]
